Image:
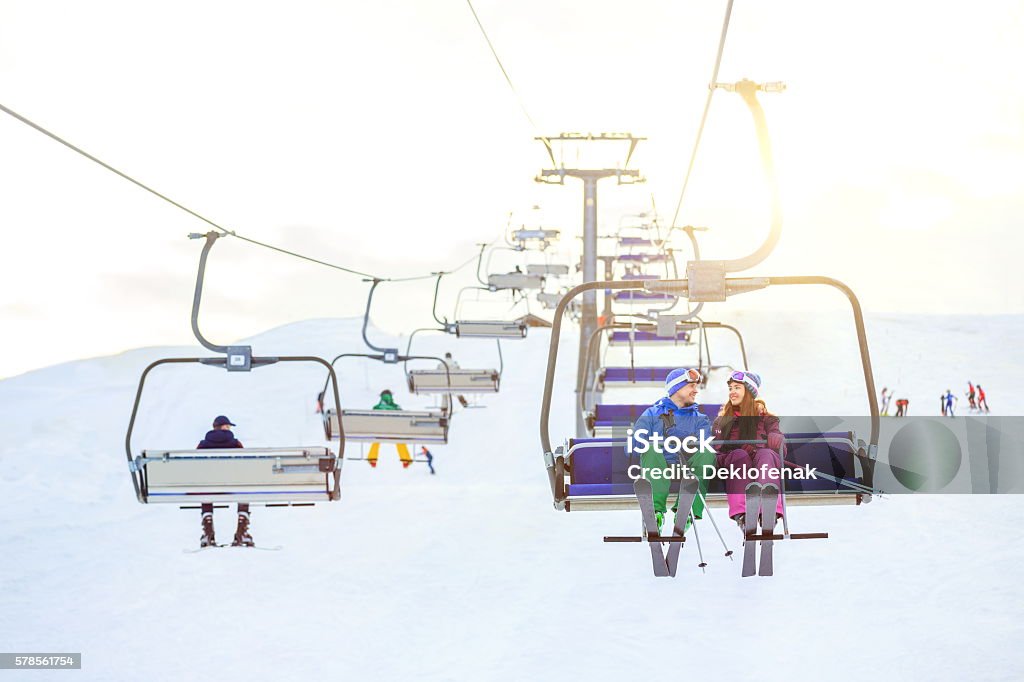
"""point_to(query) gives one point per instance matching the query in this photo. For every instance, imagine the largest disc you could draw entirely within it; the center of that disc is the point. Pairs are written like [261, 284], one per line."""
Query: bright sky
[382, 135]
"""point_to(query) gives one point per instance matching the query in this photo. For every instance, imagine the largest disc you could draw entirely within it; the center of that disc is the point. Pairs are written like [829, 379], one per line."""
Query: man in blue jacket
[221, 437]
[674, 415]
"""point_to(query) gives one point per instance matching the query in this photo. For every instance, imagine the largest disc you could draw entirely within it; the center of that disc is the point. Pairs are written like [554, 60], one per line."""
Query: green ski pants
[652, 459]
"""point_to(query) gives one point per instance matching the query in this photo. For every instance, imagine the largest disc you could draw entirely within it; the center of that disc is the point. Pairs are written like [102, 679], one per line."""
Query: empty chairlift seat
[535, 235]
[549, 299]
[636, 376]
[490, 329]
[515, 280]
[642, 258]
[647, 338]
[641, 297]
[548, 269]
[635, 241]
[389, 426]
[461, 381]
[254, 475]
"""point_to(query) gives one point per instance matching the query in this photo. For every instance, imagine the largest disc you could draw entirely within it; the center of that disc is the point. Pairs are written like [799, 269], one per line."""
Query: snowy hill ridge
[470, 574]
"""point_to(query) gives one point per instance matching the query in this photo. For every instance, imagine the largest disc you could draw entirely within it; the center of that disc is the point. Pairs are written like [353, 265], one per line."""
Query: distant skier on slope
[452, 364]
[221, 437]
[970, 396]
[387, 402]
[886, 398]
[950, 399]
[982, 403]
[430, 458]
[901, 407]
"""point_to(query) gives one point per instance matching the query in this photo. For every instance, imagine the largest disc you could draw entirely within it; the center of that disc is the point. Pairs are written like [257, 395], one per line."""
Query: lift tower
[556, 176]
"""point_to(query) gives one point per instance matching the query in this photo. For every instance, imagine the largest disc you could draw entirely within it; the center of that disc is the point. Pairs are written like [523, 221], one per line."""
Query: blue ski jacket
[685, 421]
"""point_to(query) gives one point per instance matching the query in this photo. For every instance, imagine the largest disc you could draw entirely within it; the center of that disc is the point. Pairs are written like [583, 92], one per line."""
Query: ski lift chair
[453, 380]
[590, 473]
[387, 426]
[279, 476]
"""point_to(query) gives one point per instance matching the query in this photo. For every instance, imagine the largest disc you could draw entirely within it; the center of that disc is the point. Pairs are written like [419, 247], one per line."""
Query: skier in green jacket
[387, 402]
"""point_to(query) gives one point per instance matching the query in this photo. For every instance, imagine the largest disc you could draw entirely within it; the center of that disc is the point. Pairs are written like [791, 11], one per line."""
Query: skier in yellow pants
[387, 402]
[403, 454]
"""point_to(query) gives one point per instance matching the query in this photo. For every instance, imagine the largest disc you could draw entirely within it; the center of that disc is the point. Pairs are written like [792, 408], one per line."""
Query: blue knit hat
[678, 378]
[749, 379]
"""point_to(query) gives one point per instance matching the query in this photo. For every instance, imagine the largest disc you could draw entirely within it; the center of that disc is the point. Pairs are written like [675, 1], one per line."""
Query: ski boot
[207, 539]
[242, 536]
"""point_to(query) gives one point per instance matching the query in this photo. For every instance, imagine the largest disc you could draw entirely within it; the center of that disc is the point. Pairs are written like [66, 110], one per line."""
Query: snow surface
[470, 574]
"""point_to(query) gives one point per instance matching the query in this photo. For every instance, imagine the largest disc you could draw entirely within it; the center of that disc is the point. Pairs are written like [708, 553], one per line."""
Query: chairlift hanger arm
[433, 309]
[479, 262]
[748, 91]
[197, 297]
[388, 355]
[346, 355]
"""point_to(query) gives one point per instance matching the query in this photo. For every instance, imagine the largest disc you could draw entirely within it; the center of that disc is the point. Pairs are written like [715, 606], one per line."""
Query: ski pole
[782, 491]
[696, 536]
[707, 508]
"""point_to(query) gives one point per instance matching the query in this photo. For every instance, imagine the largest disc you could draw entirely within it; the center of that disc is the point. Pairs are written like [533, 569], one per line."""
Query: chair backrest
[647, 338]
[401, 426]
[490, 329]
[552, 269]
[256, 475]
[515, 280]
[454, 381]
[637, 375]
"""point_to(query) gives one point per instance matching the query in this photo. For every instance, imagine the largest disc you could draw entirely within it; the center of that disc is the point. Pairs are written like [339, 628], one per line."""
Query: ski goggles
[748, 379]
[692, 376]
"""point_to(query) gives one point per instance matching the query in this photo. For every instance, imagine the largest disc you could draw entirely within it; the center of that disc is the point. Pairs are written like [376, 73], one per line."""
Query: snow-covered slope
[470, 574]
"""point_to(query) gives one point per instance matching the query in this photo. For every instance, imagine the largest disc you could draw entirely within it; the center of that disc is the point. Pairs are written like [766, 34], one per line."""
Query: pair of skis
[275, 548]
[665, 564]
[761, 501]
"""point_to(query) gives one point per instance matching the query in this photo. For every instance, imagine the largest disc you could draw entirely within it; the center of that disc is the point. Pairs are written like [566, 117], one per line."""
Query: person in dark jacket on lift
[221, 438]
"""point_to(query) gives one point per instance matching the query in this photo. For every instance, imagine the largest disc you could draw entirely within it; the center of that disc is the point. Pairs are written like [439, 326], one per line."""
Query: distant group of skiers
[947, 401]
[976, 397]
